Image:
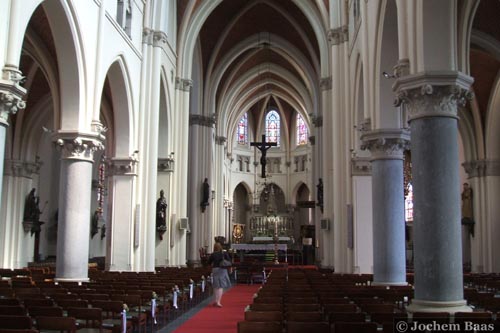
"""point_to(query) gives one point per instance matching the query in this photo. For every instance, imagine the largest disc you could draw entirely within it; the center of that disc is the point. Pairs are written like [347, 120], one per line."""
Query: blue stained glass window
[242, 131]
[302, 133]
[273, 127]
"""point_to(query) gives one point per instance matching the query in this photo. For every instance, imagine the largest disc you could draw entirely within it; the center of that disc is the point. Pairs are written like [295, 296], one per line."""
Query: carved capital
[166, 164]
[220, 140]
[361, 166]
[386, 143]
[312, 140]
[9, 104]
[402, 68]
[482, 168]
[17, 168]
[325, 83]
[338, 35]
[80, 147]
[316, 120]
[433, 94]
[125, 166]
[147, 36]
[198, 119]
[159, 38]
[183, 84]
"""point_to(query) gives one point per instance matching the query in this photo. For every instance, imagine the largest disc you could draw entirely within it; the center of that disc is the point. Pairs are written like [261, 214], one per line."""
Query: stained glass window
[409, 204]
[302, 133]
[242, 131]
[273, 127]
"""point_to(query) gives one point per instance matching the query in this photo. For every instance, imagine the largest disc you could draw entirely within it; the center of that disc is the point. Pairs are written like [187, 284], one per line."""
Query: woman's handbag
[226, 262]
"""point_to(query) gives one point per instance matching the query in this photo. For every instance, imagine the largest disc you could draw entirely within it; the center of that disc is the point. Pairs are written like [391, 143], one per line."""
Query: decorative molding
[402, 68]
[198, 119]
[325, 83]
[433, 94]
[338, 35]
[482, 168]
[10, 100]
[316, 120]
[183, 84]
[122, 166]
[361, 166]
[147, 36]
[159, 38]
[386, 143]
[166, 164]
[80, 147]
[220, 140]
[17, 168]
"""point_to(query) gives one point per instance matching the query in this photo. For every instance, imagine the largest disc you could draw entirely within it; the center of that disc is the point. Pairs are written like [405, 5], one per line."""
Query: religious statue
[205, 195]
[319, 195]
[467, 214]
[31, 207]
[161, 214]
[32, 212]
[94, 226]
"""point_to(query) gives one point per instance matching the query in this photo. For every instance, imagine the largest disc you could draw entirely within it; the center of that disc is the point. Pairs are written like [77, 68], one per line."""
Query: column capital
[220, 140]
[338, 35]
[386, 143]
[11, 93]
[79, 146]
[18, 168]
[325, 83]
[317, 120]
[433, 93]
[122, 166]
[482, 168]
[166, 164]
[361, 166]
[183, 84]
[201, 120]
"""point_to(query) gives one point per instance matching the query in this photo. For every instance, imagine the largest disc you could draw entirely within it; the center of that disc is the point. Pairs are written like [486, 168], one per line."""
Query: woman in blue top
[220, 276]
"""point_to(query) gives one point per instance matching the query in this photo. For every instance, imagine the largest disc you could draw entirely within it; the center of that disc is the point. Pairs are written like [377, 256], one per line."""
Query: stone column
[77, 152]
[389, 261]
[121, 229]
[432, 99]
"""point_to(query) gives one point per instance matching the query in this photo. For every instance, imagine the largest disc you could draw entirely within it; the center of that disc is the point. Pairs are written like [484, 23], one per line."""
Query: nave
[285, 299]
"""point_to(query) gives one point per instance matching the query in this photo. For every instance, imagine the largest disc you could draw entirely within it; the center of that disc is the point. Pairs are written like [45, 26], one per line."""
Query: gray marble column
[389, 261]
[432, 99]
[77, 152]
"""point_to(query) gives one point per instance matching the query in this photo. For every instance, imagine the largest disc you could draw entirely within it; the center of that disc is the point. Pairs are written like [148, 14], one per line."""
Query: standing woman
[220, 277]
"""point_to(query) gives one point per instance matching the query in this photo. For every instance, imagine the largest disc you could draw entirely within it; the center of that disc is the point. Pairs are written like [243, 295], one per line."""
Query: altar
[264, 253]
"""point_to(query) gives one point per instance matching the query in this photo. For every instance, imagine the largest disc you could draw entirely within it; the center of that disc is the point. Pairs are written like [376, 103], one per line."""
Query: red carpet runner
[221, 320]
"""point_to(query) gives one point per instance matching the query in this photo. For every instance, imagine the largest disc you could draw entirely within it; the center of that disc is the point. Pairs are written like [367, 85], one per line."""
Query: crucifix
[263, 147]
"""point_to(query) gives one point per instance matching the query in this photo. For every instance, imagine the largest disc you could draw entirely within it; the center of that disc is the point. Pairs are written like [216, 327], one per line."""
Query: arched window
[242, 131]
[273, 127]
[302, 132]
[409, 204]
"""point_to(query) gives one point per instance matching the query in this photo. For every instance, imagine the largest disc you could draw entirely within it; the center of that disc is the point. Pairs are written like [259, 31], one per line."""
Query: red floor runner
[221, 320]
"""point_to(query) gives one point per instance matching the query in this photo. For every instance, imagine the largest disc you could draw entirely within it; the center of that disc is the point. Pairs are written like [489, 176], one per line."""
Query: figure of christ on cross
[263, 147]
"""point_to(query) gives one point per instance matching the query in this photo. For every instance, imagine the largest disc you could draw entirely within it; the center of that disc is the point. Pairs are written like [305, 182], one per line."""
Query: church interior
[336, 149]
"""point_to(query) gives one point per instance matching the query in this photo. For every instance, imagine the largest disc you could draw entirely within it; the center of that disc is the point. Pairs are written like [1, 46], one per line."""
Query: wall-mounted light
[388, 76]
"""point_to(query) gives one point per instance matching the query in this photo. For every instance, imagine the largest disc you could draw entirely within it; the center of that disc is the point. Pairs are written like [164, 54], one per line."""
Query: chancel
[321, 144]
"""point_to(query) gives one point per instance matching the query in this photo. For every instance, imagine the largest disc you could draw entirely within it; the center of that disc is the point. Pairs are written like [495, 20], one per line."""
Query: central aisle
[221, 320]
